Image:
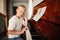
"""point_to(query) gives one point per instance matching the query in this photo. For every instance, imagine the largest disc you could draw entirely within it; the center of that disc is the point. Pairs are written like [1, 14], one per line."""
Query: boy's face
[20, 11]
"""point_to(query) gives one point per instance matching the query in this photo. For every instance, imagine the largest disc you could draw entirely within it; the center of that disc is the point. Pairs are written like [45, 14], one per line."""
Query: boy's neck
[17, 16]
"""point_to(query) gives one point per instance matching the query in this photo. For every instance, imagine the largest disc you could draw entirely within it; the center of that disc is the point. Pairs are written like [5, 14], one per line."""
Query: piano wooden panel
[49, 24]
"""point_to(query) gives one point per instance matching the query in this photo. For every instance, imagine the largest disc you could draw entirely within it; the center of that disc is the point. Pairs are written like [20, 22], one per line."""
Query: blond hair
[22, 6]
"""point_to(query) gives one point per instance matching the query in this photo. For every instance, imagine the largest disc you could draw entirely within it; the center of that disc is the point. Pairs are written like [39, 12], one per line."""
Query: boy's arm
[14, 32]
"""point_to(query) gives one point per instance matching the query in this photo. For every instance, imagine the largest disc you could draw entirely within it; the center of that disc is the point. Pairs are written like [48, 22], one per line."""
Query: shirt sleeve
[12, 24]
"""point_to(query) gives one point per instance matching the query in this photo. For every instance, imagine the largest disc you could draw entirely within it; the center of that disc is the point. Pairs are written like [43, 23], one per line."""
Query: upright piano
[48, 26]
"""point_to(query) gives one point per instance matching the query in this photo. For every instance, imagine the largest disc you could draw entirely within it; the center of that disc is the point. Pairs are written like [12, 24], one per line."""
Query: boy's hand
[25, 17]
[23, 30]
[25, 21]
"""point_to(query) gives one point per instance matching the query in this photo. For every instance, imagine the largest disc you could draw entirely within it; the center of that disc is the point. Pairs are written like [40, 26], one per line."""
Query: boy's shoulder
[12, 18]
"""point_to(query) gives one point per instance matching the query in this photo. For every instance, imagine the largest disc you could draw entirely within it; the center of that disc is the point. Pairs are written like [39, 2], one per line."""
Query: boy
[16, 22]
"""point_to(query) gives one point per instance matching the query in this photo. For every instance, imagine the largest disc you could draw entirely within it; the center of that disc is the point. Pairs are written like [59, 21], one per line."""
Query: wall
[3, 6]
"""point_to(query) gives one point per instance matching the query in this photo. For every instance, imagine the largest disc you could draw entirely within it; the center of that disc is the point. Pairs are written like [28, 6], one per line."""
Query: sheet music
[39, 14]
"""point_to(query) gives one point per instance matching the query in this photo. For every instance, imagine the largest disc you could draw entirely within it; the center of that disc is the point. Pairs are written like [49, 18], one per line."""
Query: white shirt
[15, 24]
